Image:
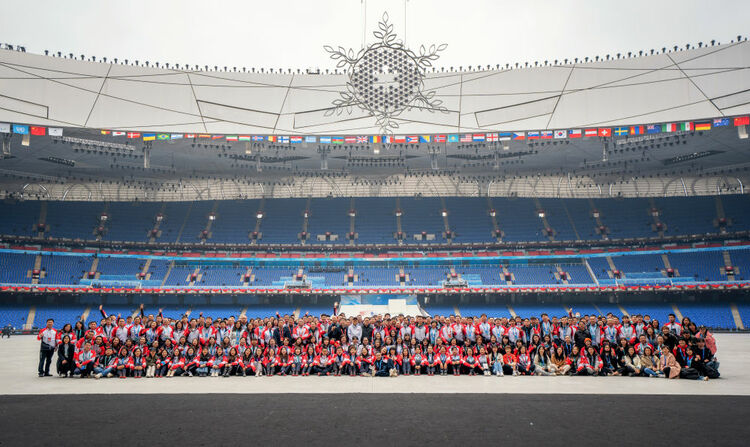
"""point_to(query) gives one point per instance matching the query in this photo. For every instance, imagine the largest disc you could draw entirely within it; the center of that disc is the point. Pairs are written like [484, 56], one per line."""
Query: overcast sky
[291, 33]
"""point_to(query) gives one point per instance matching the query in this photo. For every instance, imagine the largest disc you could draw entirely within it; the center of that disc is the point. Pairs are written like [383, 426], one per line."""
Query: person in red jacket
[48, 337]
[137, 363]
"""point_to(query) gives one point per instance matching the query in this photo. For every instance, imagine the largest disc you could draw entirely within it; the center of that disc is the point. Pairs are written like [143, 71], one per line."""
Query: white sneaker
[98, 376]
[515, 373]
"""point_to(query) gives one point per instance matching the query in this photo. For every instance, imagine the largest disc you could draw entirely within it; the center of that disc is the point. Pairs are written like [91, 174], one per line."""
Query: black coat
[580, 337]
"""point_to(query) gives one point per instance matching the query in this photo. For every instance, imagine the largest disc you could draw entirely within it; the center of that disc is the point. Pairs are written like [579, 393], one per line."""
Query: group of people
[382, 345]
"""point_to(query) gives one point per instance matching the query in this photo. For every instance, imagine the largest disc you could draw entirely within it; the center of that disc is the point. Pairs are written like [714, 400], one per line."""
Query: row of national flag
[604, 132]
[25, 129]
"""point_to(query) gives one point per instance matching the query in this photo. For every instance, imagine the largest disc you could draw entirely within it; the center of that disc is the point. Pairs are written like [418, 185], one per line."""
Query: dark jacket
[580, 337]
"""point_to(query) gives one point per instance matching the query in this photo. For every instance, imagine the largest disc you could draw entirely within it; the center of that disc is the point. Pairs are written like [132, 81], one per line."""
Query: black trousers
[45, 359]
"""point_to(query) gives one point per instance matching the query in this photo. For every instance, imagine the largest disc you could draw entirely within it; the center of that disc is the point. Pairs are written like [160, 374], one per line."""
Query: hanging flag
[533, 135]
[478, 137]
[283, 139]
[590, 133]
[295, 139]
[4, 127]
[719, 122]
[504, 136]
[311, 139]
[375, 139]
[742, 121]
[620, 131]
[605, 132]
[337, 140]
[190, 135]
[636, 130]
[231, 137]
[53, 131]
[272, 138]
[20, 129]
[703, 126]
[492, 137]
[519, 135]
[217, 137]
[133, 135]
[669, 127]
[350, 140]
[653, 128]
[325, 140]
[118, 134]
[257, 137]
[38, 130]
[559, 134]
[453, 138]
[465, 138]
[162, 136]
[412, 139]
[361, 139]
[545, 134]
[686, 126]
[176, 136]
[204, 135]
[575, 133]
[149, 136]
[244, 138]
[439, 138]
[106, 132]
[424, 138]
[399, 139]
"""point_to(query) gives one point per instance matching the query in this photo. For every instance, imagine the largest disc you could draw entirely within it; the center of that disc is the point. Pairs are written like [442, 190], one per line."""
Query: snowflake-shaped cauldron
[385, 78]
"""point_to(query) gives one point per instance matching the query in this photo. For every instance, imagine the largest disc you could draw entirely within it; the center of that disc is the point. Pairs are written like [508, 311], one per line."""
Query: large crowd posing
[381, 346]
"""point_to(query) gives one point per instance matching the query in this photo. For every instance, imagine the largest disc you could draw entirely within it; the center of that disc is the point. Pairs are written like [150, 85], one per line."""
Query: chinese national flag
[38, 130]
[742, 121]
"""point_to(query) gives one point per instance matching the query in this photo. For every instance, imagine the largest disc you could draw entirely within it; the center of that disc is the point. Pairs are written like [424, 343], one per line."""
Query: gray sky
[291, 33]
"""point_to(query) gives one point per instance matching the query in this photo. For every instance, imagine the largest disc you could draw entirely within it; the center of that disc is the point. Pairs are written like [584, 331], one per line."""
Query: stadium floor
[372, 411]
[369, 419]
[21, 354]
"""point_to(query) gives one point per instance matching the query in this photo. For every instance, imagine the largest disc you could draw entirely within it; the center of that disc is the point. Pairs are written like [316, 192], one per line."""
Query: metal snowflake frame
[366, 91]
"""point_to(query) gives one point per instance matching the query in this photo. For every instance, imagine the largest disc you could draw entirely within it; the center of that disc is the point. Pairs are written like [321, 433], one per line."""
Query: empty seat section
[375, 222]
[737, 210]
[422, 215]
[375, 276]
[196, 221]
[15, 268]
[557, 218]
[61, 314]
[626, 218]
[714, 315]
[74, 220]
[536, 310]
[272, 276]
[583, 218]
[578, 274]
[14, 315]
[122, 268]
[639, 264]
[469, 219]
[703, 265]
[173, 217]
[19, 218]
[235, 220]
[687, 215]
[130, 221]
[282, 221]
[599, 266]
[64, 270]
[533, 274]
[328, 216]
[491, 310]
[518, 219]
[741, 263]
[222, 275]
